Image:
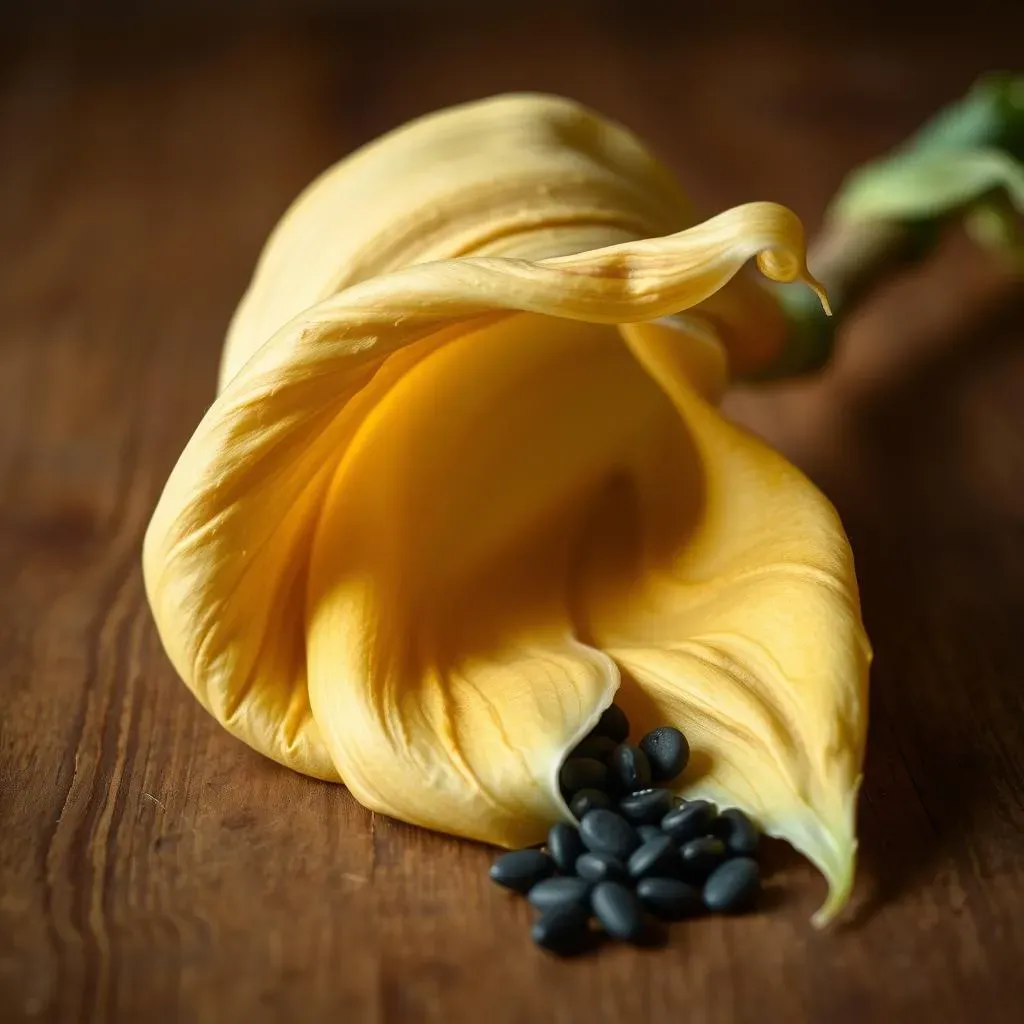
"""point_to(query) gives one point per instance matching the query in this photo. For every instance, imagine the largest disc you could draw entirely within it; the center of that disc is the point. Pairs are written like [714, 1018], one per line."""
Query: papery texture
[464, 476]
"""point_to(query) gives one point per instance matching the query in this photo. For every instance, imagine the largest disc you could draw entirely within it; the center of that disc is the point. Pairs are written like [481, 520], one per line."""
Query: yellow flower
[465, 478]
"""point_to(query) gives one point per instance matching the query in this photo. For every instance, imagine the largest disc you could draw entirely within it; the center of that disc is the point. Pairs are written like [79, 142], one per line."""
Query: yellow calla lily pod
[465, 482]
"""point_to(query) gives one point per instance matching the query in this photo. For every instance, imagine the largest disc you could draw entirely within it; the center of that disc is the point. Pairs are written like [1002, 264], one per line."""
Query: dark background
[152, 868]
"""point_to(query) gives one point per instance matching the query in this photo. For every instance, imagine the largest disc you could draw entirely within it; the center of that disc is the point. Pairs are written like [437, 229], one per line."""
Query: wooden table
[154, 869]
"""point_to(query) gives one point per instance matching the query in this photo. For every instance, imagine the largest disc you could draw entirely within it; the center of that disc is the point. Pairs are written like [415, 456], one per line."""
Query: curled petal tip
[836, 858]
[819, 289]
[840, 877]
[829, 841]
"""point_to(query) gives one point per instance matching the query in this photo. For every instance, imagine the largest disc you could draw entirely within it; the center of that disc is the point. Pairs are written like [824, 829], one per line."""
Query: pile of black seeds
[640, 854]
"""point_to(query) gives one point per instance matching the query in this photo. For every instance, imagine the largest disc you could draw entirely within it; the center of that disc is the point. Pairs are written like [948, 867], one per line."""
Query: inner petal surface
[445, 670]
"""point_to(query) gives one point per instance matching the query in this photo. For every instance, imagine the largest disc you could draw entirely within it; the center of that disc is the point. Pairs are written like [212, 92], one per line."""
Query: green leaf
[937, 183]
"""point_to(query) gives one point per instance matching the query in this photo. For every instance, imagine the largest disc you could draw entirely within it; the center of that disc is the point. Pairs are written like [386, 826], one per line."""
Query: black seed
[582, 773]
[607, 832]
[521, 869]
[587, 800]
[618, 909]
[657, 857]
[613, 723]
[564, 845]
[561, 929]
[733, 886]
[738, 832]
[554, 892]
[630, 768]
[600, 867]
[598, 747]
[702, 856]
[646, 806]
[648, 832]
[669, 898]
[667, 751]
[691, 821]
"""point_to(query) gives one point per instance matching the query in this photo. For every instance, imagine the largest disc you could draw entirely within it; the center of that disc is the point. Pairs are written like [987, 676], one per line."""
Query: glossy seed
[658, 857]
[589, 800]
[598, 747]
[582, 773]
[667, 751]
[600, 867]
[607, 832]
[733, 886]
[691, 821]
[648, 832]
[564, 846]
[738, 832]
[669, 898]
[646, 806]
[562, 929]
[701, 856]
[629, 768]
[521, 869]
[619, 910]
[554, 892]
[613, 724]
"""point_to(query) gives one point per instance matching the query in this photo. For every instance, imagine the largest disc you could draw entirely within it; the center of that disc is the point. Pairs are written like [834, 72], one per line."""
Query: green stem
[853, 256]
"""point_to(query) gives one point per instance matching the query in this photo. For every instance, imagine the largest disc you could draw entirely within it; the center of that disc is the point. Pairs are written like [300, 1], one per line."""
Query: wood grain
[152, 868]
